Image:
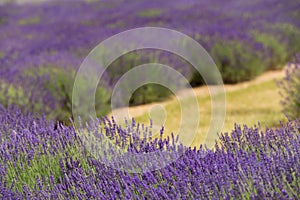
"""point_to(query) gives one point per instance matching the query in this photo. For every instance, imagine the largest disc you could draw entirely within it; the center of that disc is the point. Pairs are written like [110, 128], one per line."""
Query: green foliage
[275, 53]
[290, 36]
[11, 94]
[236, 61]
[149, 93]
[125, 63]
[150, 13]
[61, 87]
[41, 165]
[196, 79]
[29, 21]
[59, 84]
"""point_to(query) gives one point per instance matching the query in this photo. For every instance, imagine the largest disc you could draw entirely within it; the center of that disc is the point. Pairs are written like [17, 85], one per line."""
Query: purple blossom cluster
[41, 161]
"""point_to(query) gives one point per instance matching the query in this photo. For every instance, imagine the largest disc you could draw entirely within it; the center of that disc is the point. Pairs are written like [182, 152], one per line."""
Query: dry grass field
[246, 104]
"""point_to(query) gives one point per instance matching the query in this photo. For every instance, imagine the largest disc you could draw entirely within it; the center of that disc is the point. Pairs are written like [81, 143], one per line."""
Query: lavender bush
[290, 90]
[38, 161]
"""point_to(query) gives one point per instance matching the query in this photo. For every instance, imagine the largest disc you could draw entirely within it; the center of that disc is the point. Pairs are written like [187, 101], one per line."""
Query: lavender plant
[38, 161]
[290, 90]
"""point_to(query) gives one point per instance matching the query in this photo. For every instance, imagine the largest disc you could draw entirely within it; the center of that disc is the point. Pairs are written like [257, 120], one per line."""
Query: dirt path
[203, 91]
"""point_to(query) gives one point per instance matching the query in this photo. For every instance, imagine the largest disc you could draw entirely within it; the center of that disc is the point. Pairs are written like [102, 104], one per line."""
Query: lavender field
[43, 154]
[43, 45]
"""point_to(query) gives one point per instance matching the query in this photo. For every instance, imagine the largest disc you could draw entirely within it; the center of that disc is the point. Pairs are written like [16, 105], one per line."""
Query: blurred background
[44, 42]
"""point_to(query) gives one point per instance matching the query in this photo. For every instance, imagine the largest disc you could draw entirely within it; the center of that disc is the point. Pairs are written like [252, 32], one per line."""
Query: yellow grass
[248, 105]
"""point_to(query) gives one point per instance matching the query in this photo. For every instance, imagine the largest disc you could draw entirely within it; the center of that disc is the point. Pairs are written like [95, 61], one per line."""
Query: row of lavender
[39, 161]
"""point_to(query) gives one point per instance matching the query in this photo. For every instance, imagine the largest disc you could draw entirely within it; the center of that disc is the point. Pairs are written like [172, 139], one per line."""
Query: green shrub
[236, 61]
[290, 36]
[12, 94]
[149, 93]
[57, 85]
[275, 53]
